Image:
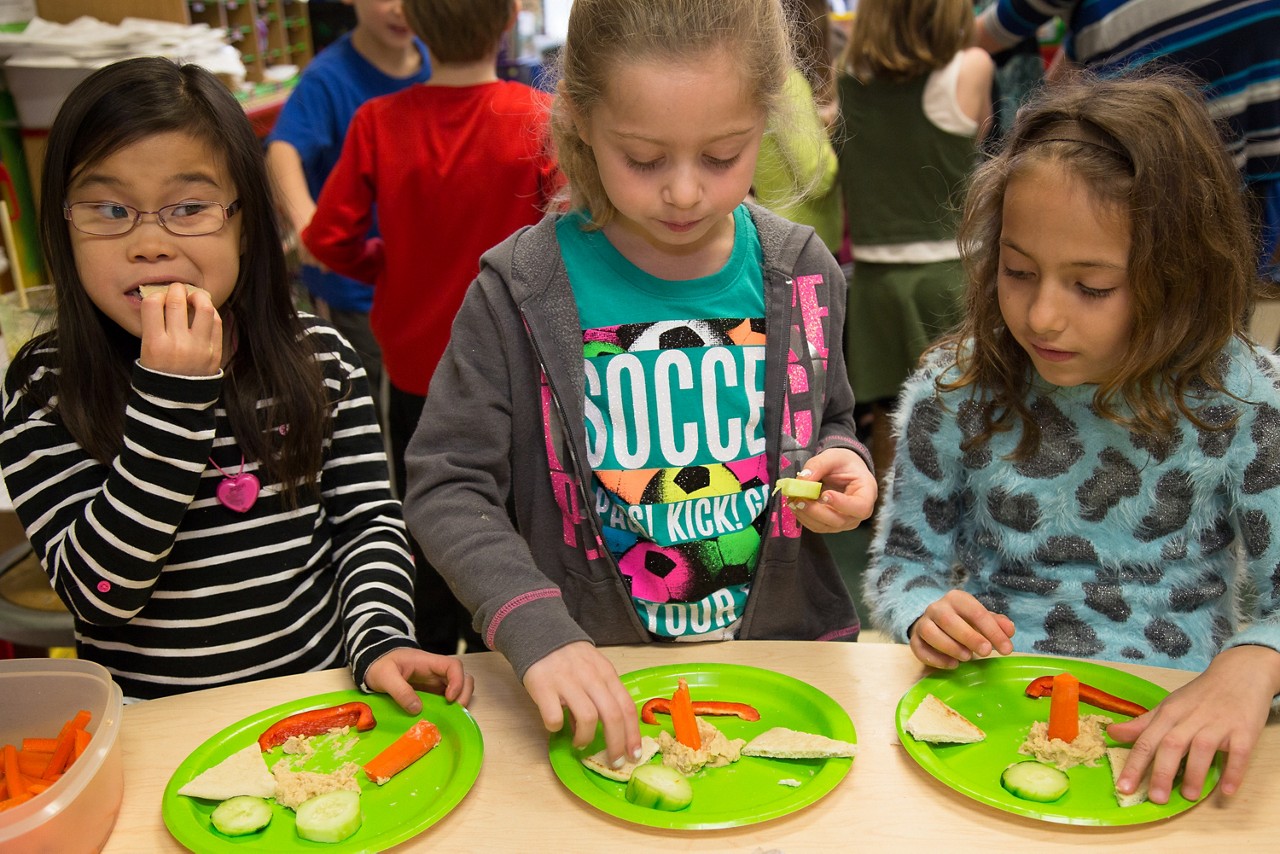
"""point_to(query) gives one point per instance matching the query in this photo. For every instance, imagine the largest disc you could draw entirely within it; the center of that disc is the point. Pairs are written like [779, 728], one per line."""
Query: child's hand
[396, 672]
[177, 342]
[956, 628]
[1223, 708]
[579, 678]
[848, 492]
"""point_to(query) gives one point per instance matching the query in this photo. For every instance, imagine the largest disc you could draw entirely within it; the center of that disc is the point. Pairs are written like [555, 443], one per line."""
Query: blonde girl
[1088, 467]
[625, 382]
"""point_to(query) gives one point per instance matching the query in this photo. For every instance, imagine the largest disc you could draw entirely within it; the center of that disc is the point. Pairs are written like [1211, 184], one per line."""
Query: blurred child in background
[451, 167]
[914, 102]
[380, 55]
[807, 160]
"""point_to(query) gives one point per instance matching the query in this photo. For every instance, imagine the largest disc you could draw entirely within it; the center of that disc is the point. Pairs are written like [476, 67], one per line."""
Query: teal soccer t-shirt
[675, 379]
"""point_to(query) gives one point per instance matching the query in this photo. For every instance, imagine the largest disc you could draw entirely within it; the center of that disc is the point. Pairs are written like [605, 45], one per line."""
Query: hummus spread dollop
[1086, 749]
[716, 751]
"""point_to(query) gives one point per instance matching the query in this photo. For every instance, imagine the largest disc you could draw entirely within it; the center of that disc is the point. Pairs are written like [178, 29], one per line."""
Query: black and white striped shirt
[172, 591]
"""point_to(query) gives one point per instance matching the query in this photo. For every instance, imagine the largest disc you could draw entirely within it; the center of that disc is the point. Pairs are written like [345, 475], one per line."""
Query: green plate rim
[705, 680]
[187, 820]
[993, 674]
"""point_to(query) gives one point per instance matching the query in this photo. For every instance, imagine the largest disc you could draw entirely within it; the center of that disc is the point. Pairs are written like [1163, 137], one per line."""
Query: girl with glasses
[197, 465]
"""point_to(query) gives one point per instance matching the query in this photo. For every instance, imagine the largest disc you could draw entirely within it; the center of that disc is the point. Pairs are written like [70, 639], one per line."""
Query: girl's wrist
[1258, 659]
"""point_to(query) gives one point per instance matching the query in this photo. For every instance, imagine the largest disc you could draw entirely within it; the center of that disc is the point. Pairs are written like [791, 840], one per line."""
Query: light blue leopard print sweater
[1104, 544]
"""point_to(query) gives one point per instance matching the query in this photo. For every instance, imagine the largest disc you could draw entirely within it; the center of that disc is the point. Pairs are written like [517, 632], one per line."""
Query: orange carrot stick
[63, 753]
[38, 786]
[1064, 708]
[403, 752]
[14, 801]
[683, 720]
[33, 764]
[13, 781]
[81, 743]
[39, 745]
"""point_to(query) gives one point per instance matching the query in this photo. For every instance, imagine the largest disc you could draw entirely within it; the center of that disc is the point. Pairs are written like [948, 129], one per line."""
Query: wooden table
[887, 802]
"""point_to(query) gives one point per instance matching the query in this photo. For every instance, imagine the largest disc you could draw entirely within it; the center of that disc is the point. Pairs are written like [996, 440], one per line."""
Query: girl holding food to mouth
[1090, 466]
[198, 466]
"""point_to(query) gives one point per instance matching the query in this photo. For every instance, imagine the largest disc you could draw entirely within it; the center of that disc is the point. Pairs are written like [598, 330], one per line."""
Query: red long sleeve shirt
[448, 172]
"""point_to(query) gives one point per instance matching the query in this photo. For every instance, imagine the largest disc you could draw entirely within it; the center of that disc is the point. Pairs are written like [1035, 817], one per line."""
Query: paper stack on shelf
[44, 62]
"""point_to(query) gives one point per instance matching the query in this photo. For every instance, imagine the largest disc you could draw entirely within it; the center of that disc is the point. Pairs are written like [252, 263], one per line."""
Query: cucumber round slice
[329, 817]
[659, 787]
[241, 815]
[805, 490]
[1035, 781]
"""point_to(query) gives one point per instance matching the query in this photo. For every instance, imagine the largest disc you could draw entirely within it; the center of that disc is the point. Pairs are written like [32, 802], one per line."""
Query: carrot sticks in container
[28, 771]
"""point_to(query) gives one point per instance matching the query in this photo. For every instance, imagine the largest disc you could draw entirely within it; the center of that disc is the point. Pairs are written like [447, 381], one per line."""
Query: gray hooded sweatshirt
[498, 483]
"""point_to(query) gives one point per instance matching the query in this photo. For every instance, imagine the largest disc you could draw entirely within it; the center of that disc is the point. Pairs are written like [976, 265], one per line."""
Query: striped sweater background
[170, 590]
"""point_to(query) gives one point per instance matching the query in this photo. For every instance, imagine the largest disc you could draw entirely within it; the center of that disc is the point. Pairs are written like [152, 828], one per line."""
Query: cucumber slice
[659, 787]
[241, 815]
[805, 490]
[1035, 781]
[329, 817]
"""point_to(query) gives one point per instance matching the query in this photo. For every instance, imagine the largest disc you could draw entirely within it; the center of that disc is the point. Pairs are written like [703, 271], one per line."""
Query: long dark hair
[118, 106]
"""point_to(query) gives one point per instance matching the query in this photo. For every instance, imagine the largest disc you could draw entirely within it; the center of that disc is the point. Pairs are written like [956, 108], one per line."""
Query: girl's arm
[104, 532]
[973, 88]
[460, 482]
[1225, 708]
[921, 511]
[338, 235]
[370, 546]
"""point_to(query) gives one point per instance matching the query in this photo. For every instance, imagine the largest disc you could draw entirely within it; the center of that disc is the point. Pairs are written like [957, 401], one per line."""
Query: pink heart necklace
[239, 491]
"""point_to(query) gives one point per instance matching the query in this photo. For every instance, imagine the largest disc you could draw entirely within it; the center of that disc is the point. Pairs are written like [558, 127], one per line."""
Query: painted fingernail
[796, 505]
[636, 754]
[619, 762]
[806, 473]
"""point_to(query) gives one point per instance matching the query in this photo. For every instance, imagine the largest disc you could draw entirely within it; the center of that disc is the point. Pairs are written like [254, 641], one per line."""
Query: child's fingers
[402, 692]
[1232, 772]
[930, 656]
[1196, 769]
[621, 732]
[1165, 764]
[460, 691]
[549, 706]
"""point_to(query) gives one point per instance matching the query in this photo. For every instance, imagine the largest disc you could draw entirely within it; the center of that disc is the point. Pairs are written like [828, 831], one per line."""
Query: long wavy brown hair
[1191, 260]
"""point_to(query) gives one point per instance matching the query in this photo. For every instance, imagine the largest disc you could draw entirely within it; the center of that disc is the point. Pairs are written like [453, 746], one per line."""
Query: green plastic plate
[749, 790]
[991, 693]
[412, 801]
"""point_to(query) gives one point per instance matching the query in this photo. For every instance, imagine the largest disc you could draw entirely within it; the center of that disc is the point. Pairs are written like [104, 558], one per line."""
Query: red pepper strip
[662, 706]
[317, 722]
[1099, 699]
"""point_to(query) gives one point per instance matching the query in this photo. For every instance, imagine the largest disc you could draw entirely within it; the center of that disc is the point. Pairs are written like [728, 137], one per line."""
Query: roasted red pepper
[1099, 699]
[317, 722]
[662, 706]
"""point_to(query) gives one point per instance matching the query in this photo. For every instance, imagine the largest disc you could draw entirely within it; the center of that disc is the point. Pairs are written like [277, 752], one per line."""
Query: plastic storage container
[38, 695]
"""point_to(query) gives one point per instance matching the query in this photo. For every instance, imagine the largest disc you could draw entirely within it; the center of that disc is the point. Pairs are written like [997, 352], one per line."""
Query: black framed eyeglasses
[184, 219]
